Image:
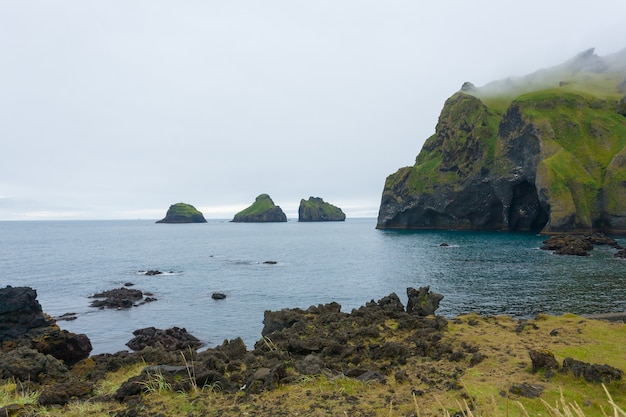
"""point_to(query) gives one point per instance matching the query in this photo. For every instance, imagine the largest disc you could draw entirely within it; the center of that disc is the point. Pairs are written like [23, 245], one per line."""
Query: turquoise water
[348, 262]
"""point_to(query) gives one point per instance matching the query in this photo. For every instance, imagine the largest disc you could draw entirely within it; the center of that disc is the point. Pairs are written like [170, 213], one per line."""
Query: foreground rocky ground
[381, 359]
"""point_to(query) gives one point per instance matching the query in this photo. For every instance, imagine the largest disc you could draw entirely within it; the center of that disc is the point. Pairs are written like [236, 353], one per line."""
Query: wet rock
[578, 245]
[592, 372]
[30, 338]
[542, 359]
[174, 338]
[118, 298]
[21, 314]
[152, 272]
[218, 296]
[66, 317]
[422, 302]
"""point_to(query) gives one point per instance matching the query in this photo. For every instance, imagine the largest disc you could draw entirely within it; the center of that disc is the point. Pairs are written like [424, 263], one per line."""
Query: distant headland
[543, 153]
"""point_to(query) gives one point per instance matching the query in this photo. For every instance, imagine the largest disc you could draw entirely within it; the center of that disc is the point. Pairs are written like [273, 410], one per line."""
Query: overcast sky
[116, 109]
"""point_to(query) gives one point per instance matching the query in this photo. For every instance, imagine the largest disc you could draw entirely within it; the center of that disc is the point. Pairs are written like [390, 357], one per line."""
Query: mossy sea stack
[316, 209]
[183, 213]
[545, 152]
[263, 210]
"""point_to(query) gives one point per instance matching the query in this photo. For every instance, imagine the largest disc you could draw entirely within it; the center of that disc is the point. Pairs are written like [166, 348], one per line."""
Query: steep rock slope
[545, 152]
[315, 209]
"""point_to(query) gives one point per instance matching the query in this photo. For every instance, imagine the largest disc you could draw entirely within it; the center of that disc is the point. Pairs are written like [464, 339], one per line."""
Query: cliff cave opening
[526, 212]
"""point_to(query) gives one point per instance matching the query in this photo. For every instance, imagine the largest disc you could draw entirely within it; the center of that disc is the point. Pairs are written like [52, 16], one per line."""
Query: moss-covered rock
[316, 209]
[262, 210]
[542, 153]
[183, 213]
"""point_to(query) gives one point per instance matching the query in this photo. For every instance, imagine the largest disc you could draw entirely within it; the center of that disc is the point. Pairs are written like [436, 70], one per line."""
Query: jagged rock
[537, 166]
[422, 302]
[21, 314]
[26, 364]
[119, 298]
[262, 210]
[183, 213]
[23, 324]
[592, 373]
[174, 338]
[66, 346]
[316, 209]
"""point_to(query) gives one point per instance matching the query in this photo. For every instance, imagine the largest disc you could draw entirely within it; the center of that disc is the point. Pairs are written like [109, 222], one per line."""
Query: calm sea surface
[348, 262]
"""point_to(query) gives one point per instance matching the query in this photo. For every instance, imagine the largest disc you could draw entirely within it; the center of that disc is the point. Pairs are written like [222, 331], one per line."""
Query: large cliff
[545, 152]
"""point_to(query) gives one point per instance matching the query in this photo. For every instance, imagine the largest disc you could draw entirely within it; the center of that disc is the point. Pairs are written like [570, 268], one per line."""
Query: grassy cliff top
[261, 204]
[183, 210]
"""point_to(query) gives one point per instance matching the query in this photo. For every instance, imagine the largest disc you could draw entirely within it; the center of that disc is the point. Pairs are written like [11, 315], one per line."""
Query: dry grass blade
[617, 411]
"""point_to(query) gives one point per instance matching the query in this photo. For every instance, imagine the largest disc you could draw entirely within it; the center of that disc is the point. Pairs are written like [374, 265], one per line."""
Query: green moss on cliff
[564, 134]
[261, 204]
[316, 209]
[262, 210]
[463, 145]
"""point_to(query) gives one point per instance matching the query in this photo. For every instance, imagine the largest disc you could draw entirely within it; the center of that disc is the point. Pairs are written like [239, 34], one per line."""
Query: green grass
[183, 209]
[261, 204]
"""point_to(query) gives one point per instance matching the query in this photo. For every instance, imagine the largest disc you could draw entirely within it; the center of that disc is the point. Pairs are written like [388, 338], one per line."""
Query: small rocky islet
[263, 210]
[315, 209]
[183, 213]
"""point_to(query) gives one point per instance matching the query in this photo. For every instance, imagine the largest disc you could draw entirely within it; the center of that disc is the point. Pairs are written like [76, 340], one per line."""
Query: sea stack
[316, 209]
[183, 213]
[263, 210]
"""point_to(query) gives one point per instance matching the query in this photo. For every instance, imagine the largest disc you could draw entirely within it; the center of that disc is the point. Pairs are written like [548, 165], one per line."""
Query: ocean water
[348, 262]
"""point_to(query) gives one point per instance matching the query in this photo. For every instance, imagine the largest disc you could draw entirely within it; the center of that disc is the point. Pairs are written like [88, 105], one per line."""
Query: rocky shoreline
[295, 343]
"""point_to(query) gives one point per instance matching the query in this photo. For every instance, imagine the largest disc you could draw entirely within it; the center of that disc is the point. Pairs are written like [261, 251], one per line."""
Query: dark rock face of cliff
[263, 210]
[552, 160]
[316, 209]
[183, 213]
